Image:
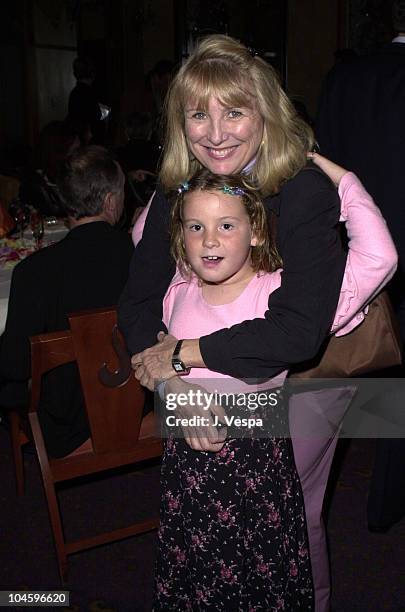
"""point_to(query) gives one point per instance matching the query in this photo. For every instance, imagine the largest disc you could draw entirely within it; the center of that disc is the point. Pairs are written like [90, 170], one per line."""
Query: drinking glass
[37, 228]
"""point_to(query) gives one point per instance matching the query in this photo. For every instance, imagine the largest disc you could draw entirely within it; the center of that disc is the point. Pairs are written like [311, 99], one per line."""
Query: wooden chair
[119, 435]
[20, 435]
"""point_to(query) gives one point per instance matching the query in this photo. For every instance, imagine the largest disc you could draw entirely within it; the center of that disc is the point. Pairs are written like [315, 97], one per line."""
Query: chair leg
[15, 432]
[57, 529]
[51, 497]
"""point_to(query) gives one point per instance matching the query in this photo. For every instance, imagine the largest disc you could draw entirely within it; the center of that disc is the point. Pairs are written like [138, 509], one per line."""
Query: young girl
[232, 534]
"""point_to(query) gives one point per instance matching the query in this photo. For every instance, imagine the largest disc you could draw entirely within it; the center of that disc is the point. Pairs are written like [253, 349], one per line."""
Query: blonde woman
[226, 111]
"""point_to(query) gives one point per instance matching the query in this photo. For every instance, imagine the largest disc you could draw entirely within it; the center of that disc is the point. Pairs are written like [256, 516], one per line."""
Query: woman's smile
[223, 139]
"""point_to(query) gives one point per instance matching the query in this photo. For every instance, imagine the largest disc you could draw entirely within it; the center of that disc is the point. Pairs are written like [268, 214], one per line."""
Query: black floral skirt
[232, 531]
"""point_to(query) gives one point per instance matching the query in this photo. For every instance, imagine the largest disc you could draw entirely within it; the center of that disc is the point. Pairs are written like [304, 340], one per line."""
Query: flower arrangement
[13, 251]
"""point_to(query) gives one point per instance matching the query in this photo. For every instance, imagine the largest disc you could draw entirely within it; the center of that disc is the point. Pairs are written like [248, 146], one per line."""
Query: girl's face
[223, 139]
[217, 237]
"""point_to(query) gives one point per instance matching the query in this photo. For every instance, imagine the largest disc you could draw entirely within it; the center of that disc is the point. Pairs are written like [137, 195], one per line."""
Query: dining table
[16, 248]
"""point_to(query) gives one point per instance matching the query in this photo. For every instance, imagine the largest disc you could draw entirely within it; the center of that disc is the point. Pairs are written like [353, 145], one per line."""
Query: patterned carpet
[368, 569]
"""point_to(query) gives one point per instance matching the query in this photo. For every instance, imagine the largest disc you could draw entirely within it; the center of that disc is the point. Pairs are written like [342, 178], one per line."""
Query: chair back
[114, 412]
[114, 403]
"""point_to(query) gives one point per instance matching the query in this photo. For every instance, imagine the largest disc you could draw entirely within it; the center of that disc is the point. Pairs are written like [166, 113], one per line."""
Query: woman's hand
[334, 171]
[205, 435]
[155, 363]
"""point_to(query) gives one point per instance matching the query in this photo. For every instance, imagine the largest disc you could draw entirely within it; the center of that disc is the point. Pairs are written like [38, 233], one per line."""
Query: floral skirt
[232, 531]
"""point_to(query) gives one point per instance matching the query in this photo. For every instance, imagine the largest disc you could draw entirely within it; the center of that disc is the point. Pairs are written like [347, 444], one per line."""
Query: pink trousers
[315, 421]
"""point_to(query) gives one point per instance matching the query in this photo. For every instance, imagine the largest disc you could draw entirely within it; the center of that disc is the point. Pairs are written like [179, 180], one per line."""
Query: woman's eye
[199, 115]
[235, 114]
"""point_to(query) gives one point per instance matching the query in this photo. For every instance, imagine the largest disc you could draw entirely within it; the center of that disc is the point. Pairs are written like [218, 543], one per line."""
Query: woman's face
[223, 139]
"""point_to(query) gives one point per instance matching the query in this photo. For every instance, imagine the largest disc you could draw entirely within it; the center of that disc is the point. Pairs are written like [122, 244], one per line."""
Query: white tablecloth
[52, 233]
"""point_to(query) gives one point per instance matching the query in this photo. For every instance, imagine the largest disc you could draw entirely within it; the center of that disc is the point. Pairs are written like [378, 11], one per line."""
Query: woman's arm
[300, 312]
[151, 269]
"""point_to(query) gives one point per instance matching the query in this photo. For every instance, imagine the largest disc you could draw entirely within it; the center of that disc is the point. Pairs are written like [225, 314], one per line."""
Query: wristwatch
[178, 365]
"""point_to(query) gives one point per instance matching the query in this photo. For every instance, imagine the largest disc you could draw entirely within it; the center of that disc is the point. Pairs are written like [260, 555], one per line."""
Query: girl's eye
[195, 227]
[227, 226]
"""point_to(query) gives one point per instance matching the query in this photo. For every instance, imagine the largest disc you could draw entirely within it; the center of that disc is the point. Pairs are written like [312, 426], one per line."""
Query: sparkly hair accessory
[233, 191]
[183, 187]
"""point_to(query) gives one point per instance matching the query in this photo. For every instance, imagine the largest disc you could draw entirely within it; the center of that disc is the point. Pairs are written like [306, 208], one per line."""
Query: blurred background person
[83, 103]
[138, 159]
[38, 188]
[361, 125]
[87, 269]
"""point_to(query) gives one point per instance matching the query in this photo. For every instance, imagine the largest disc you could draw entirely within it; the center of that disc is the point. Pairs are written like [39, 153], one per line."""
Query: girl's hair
[224, 68]
[264, 256]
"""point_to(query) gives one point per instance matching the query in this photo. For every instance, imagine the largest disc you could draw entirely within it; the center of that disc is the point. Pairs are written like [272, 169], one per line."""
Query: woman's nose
[216, 133]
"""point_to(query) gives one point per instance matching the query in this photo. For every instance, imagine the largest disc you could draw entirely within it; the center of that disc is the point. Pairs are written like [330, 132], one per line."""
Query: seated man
[87, 269]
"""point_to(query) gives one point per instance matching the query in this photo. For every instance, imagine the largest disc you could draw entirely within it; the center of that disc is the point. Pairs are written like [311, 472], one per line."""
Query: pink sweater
[371, 262]
[186, 314]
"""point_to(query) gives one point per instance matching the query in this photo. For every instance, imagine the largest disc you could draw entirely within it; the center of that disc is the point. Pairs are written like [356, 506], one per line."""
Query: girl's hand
[205, 435]
[334, 171]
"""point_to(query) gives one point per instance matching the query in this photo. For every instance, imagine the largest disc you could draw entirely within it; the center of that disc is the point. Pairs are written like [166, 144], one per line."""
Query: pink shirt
[371, 262]
[187, 314]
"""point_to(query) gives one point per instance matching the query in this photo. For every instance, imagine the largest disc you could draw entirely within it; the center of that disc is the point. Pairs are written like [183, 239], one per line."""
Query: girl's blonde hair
[264, 255]
[224, 68]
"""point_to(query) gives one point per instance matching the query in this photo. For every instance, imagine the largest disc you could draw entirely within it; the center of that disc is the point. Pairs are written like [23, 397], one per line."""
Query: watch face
[178, 366]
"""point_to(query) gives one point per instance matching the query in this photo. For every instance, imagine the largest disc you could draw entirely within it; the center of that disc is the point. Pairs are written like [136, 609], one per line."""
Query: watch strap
[177, 364]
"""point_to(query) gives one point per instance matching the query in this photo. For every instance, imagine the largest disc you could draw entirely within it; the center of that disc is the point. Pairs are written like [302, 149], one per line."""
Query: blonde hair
[224, 68]
[264, 255]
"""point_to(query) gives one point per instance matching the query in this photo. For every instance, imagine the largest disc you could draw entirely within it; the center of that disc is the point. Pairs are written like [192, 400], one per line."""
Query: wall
[54, 47]
[314, 32]
[158, 34]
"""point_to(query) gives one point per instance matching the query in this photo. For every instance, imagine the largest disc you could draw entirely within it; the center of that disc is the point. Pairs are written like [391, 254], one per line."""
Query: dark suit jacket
[361, 125]
[87, 269]
[300, 312]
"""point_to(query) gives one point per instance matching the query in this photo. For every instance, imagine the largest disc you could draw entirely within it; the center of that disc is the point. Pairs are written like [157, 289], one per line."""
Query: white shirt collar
[399, 39]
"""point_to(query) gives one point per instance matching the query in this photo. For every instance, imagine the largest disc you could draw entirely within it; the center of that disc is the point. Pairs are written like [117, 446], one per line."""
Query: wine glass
[20, 218]
[37, 228]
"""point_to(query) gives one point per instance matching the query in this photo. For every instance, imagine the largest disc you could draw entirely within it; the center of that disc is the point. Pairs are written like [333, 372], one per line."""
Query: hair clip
[253, 52]
[183, 187]
[233, 191]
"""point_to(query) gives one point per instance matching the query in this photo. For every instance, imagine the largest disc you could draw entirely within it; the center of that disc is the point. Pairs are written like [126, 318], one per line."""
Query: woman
[227, 112]
[253, 128]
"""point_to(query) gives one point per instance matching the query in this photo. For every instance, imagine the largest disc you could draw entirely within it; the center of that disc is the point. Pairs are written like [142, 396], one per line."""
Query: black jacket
[87, 269]
[361, 125]
[300, 311]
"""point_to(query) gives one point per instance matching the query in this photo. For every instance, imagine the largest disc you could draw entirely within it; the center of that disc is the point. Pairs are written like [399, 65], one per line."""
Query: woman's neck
[225, 293]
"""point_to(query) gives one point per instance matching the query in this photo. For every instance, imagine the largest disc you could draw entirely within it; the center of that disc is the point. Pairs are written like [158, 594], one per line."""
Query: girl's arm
[372, 258]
